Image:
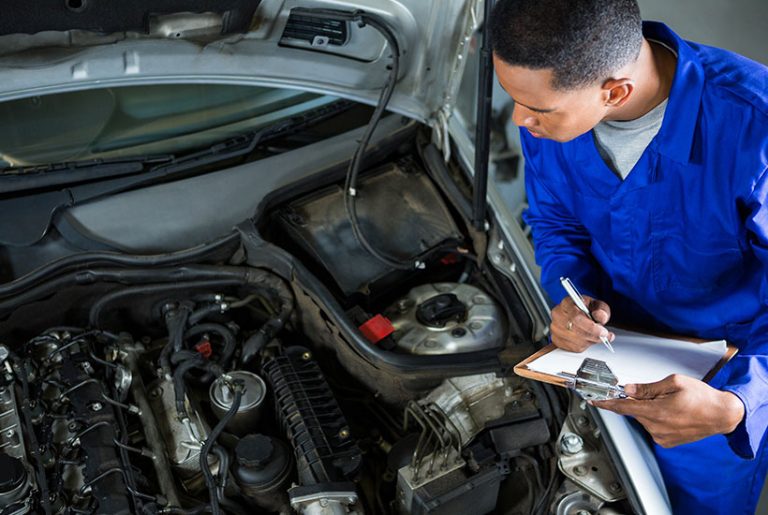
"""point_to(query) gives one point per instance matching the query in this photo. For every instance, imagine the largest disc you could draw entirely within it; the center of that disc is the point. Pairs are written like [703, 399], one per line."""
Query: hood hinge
[439, 120]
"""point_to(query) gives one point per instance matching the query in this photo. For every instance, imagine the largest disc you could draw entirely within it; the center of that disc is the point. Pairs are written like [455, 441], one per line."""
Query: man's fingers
[600, 311]
[567, 340]
[587, 329]
[573, 330]
[574, 334]
[630, 407]
[669, 384]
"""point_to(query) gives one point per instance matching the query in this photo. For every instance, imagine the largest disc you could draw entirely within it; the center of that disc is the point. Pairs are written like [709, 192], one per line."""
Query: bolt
[614, 487]
[458, 332]
[571, 444]
[582, 421]
[527, 395]
[323, 502]
[344, 433]
[351, 500]
[155, 393]
[306, 356]
[580, 470]
[97, 406]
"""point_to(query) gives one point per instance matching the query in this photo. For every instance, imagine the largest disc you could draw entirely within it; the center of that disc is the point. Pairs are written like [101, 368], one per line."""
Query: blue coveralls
[681, 245]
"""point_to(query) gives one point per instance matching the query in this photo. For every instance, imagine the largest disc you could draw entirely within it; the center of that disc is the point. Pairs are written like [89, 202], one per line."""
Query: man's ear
[616, 92]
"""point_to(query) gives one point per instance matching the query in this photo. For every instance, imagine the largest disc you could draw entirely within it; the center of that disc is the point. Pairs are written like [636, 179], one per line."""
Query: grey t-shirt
[622, 143]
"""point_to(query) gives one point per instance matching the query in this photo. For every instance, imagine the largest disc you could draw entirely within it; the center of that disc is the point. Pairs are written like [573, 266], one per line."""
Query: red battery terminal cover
[377, 328]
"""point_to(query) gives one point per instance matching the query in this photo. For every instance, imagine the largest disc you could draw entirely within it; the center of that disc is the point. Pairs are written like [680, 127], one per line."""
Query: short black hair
[582, 41]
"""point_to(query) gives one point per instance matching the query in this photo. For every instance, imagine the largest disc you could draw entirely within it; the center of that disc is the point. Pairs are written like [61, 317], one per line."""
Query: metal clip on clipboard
[594, 381]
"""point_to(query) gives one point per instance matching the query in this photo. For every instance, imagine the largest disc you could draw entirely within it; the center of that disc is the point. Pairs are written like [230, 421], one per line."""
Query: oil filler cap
[254, 451]
[441, 309]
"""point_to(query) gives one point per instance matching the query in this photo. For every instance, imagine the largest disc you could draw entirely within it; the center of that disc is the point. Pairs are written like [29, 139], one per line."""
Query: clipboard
[593, 381]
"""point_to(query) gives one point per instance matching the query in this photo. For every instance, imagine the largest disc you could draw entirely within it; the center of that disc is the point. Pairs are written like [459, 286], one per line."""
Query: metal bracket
[594, 381]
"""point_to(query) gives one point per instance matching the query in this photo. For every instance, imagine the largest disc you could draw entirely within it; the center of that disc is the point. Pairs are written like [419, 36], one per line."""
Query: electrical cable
[350, 185]
[238, 387]
[229, 343]
[191, 362]
[256, 342]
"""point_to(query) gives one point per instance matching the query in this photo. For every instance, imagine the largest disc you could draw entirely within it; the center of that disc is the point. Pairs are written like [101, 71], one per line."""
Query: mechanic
[646, 160]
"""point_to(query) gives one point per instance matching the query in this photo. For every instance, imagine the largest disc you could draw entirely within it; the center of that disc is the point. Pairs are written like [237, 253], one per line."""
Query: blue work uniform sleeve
[561, 243]
[748, 370]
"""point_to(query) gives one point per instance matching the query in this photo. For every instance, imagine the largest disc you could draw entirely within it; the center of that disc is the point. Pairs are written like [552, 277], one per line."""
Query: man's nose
[522, 117]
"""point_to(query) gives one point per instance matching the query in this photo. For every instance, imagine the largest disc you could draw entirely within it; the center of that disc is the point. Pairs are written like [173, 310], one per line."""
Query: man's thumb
[652, 390]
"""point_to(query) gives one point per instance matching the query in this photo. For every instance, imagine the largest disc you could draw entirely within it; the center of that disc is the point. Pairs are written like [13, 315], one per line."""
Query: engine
[291, 373]
[234, 400]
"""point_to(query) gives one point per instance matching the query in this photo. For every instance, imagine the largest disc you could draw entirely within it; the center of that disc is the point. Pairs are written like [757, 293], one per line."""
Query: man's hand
[679, 409]
[573, 331]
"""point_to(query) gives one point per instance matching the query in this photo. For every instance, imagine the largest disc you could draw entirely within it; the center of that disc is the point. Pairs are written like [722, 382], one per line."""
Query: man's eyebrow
[535, 109]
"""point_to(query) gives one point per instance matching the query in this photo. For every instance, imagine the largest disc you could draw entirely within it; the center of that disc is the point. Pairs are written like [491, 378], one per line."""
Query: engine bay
[283, 370]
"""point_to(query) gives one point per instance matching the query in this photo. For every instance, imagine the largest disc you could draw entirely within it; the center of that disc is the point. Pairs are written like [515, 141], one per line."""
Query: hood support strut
[482, 128]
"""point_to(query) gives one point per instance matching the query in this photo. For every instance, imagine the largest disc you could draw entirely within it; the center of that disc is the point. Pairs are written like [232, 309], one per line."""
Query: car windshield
[133, 121]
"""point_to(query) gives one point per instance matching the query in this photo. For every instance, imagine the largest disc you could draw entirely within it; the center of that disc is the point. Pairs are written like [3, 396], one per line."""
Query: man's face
[546, 112]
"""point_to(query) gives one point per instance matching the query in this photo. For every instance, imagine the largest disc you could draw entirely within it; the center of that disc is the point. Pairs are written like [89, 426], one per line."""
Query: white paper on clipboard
[639, 358]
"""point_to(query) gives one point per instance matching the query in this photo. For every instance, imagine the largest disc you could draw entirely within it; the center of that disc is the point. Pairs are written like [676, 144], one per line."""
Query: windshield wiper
[238, 146]
[121, 175]
[15, 179]
[244, 144]
[88, 180]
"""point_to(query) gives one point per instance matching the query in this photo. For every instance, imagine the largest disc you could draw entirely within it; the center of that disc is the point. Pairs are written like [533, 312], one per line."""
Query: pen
[579, 301]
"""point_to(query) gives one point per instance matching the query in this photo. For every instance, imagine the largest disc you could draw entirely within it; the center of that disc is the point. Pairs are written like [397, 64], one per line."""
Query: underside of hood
[71, 45]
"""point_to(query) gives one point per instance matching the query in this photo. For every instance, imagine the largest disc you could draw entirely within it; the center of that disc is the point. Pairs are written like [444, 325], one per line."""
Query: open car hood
[79, 44]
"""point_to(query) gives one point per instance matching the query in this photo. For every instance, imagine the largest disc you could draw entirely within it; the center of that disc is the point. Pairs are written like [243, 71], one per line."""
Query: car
[252, 262]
